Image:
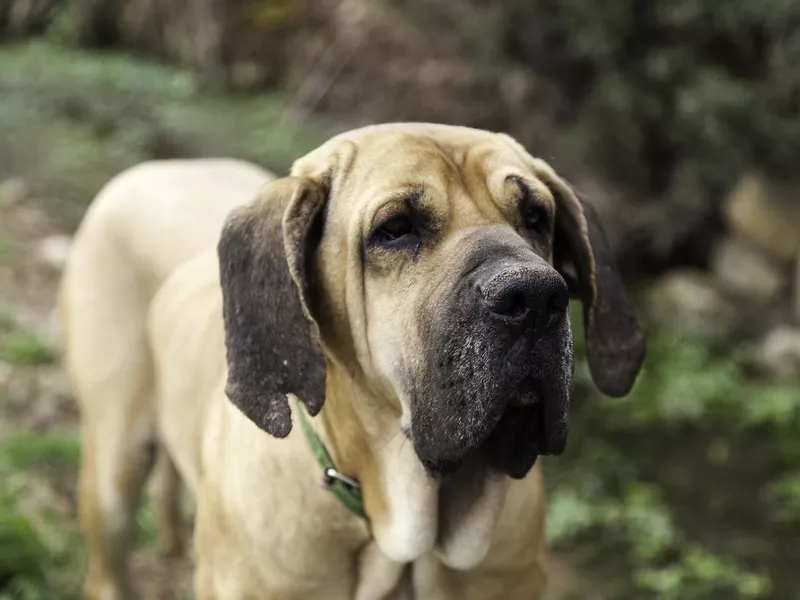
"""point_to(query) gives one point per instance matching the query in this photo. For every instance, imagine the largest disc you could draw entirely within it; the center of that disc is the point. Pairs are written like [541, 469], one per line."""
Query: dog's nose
[522, 294]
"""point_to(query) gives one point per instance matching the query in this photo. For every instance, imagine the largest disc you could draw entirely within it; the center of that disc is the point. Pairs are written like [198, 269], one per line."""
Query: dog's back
[140, 228]
[142, 225]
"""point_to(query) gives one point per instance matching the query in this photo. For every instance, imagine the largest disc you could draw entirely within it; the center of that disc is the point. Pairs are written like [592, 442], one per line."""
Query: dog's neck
[410, 512]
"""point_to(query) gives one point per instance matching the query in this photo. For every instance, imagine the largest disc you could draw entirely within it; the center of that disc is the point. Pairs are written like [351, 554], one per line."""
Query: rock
[53, 251]
[247, 75]
[766, 212]
[745, 270]
[779, 353]
[13, 191]
[689, 301]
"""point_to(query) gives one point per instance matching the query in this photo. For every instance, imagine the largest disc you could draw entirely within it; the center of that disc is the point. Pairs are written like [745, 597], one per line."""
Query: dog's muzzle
[501, 354]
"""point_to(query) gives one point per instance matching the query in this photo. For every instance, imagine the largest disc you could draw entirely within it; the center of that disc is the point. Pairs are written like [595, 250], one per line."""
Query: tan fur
[142, 304]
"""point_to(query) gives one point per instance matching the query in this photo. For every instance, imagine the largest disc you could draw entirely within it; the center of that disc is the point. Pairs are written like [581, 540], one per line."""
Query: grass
[19, 347]
[41, 549]
[30, 449]
[26, 348]
[72, 119]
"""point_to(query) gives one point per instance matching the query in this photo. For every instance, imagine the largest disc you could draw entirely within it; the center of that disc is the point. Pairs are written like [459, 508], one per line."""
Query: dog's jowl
[389, 320]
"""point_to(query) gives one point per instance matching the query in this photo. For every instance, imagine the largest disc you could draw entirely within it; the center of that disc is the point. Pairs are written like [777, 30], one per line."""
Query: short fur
[401, 284]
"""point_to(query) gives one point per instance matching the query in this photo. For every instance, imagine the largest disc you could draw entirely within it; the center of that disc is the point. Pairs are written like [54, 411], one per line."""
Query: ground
[38, 417]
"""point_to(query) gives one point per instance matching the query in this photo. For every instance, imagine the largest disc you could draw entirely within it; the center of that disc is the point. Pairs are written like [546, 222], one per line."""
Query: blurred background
[680, 120]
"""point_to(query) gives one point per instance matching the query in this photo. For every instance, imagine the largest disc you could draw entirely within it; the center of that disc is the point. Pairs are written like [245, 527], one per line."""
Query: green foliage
[687, 380]
[64, 26]
[660, 89]
[40, 551]
[25, 348]
[664, 559]
[628, 485]
[71, 120]
[27, 449]
[783, 497]
[20, 546]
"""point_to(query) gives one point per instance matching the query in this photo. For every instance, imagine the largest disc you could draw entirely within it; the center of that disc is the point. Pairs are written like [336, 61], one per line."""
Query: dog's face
[425, 261]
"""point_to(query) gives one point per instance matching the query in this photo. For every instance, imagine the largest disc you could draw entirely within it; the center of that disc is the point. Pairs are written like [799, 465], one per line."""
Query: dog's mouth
[515, 442]
[500, 400]
[529, 392]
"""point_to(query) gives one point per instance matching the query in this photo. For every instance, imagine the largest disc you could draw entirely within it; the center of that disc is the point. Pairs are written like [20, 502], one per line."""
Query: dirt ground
[37, 398]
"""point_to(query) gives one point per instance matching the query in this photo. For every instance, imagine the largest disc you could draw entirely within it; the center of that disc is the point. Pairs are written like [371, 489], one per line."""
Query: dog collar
[346, 489]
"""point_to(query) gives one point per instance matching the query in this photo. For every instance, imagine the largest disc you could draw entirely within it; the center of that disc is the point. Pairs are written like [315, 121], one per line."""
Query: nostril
[524, 294]
[511, 304]
[558, 301]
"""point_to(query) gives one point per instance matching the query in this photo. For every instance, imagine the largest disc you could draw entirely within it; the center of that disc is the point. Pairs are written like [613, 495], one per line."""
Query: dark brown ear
[615, 344]
[271, 337]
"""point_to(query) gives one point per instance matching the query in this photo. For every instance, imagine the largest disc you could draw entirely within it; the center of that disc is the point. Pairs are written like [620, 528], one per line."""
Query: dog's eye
[536, 219]
[395, 232]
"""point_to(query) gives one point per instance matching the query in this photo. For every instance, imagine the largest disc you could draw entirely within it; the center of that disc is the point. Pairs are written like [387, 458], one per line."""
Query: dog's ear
[614, 342]
[271, 335]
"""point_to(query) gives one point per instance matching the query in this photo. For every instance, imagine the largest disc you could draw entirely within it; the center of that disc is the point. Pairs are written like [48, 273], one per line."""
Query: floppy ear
[271, 337]
[614, 342]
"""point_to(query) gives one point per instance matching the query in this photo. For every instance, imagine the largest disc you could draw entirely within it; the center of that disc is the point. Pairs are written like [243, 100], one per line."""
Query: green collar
[347, 490]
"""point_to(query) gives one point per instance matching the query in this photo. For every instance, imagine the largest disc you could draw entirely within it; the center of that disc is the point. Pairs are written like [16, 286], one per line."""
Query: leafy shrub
[690, 482]
[659, 88]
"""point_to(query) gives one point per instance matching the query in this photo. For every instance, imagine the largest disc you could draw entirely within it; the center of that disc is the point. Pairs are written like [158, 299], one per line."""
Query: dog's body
[169, 249]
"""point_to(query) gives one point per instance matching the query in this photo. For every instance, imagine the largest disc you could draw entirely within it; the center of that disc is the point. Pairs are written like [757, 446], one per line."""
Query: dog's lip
[528, 392]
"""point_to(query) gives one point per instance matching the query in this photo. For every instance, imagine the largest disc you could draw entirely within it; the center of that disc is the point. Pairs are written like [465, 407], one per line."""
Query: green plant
[20, 546]
[667, 479]
[87, 116]
[24, 449]
[26, 348]
[660, 89]
[40, 552]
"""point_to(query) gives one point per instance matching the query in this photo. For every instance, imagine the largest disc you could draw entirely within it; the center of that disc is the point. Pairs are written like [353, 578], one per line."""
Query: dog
[402, 296]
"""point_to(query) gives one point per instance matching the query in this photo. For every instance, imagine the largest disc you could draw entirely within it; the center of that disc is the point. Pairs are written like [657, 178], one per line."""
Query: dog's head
[431, 263]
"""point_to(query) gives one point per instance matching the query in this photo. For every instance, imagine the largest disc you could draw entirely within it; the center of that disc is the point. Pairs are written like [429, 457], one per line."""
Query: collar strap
[346, 489]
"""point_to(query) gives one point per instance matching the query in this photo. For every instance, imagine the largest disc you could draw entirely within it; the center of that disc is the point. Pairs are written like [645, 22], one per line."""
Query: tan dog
[401, 283]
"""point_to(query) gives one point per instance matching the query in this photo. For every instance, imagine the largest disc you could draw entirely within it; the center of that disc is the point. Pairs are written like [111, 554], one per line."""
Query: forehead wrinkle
[406, 151]
[477, 185]
[398, 197]
[469, 181]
